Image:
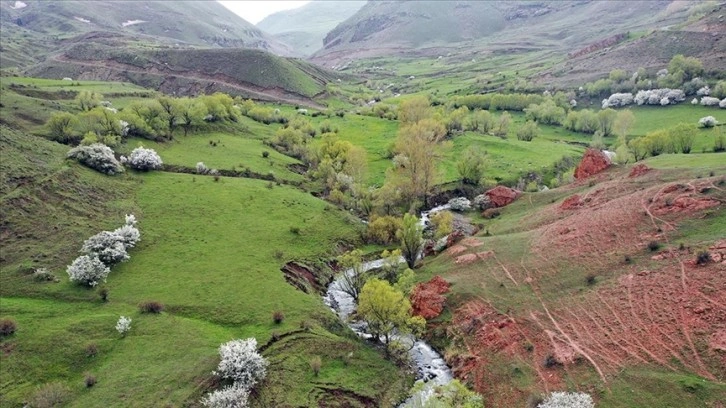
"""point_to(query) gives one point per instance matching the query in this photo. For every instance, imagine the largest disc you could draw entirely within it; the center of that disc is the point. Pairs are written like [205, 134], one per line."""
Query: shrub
[202, 168]
[91, 350]
[87, 270]
[707, 122]
[44, 275]
[98, 157]
[143, 159]
[151, 307]
[315, 364]
[653, 246]
[103, 294]
[719, 143]
[460, 204]
[703, 257]
[265, 154]
[551, 361]
[7, 327]
[710, 101]
[232, 396]
[664, 96]
[591, 279]
[482, 202]
[90, 380]
[49, 395]
[278, 316]
[295, 230]
[123, 325]
[128, 235]
[241, 362]
[567, 400]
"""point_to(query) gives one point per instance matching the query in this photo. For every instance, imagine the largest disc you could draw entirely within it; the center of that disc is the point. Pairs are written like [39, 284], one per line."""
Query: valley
[576, 164]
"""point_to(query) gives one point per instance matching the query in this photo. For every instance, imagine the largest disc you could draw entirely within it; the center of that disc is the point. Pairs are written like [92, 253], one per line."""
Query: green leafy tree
[191, 113]
[387, 310]
[502, 126]
[443, 223]
[528, 131]
[411, 237]
[624, 121]
[88, 100]
[353, 277]
[452, 395]
[480, 121]
[691, 67]
[471, 166]
[62, 127]
[606, 120]
[170, 108]
[682, 137]
[414, 110]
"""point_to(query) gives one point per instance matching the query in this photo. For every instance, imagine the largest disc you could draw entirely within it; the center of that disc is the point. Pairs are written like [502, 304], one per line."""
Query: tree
[639, 148]
[87, 270]
[682, 136]
[471, 166]
[98, 157]
[353, 277]
[452, 395]
[88, 100]
[560, 399]
[528, 131]
[386, 310]
[191, 114]
[442, 222]
[691, 67]
[411, 237]
[606, 119]
[170, 107]
[480, 121]
[143, 159]
[416, 168]
[240, 362]
[624, 121]
[62, 127]
[502, 127]
[231, 396]
[414, 110]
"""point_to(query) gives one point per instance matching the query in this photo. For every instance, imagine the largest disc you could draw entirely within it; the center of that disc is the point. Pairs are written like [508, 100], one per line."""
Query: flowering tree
[567, 400]
[98, 157]
[707, 122]
[460, 204]
[144, 159]
[107, 246]
[233, 396]
[87, 270]
[241, 362]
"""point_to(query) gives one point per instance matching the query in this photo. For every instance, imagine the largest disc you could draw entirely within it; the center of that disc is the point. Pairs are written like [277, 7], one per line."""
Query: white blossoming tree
[460, 204]
[143, 159]
[241, 362]
[87, 270]
[107, 246]
[98, 157]
[707, 122]
[567, 400]
[232, 396]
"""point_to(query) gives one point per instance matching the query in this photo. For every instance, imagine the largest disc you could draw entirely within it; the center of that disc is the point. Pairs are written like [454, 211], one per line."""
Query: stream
[430, 366]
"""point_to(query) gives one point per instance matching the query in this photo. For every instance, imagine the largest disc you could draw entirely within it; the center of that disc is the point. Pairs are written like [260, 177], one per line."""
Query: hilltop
[33, 28]
[304, 28]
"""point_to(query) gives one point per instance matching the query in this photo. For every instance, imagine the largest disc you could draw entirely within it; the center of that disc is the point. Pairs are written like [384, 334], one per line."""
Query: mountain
[39, 26]
[425, 28]
[304, 28]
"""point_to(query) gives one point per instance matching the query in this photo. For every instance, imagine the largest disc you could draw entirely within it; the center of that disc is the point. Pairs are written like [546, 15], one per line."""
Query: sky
[255, 11]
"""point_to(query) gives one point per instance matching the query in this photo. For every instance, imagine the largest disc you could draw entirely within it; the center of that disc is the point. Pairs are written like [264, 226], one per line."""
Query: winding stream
[431, 367]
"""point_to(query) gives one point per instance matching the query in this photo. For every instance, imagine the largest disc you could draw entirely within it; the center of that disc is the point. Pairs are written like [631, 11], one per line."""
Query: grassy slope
[512, 238]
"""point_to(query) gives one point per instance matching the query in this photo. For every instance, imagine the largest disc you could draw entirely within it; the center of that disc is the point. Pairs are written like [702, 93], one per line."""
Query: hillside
[304, 28]
[248, 73]
[596, 287]
[431, 28]
[31, 27]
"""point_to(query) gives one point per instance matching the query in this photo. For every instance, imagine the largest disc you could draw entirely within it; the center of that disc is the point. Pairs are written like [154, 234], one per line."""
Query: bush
[90, 380]
[49, 395]
[151, 307]
[7, 327]
[707, 122]
[123, 325]
[143, 159]
[710, 101]
[460, 204]
[241, 362]
[103, 294]
[528, 131]
[382, 230]
[232, 396]
[202, 168]
[278, 316]
[719, 143]
[98, 157]
[567, 400]
[265, 154]
[703, 257]
[653, 246]
[315, 364]
[87, 270]
[91, 350]
[44, 275]
[482, 202]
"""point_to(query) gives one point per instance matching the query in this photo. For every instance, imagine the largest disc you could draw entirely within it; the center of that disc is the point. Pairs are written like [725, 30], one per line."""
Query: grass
[651, 118]
[208, 250]
[228, 151]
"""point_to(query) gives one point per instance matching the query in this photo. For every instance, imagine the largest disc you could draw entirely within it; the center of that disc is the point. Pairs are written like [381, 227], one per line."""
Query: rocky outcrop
[592, 163]
[427, 298]
[639, 170]
[501, 196]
